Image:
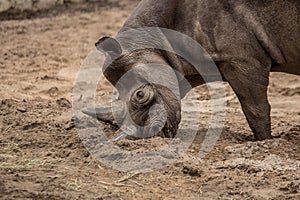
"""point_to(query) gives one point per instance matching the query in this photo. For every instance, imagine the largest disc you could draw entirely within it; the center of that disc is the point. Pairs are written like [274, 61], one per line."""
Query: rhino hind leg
[250, 84]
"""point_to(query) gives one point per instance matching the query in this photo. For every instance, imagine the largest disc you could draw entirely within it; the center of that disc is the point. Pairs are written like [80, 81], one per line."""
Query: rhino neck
[184, 16]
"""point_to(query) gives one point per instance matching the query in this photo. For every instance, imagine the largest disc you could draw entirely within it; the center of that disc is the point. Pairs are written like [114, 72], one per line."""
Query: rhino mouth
[156, 129]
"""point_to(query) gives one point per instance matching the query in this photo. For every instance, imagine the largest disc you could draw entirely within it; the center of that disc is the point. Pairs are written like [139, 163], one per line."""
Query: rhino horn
[104, 114]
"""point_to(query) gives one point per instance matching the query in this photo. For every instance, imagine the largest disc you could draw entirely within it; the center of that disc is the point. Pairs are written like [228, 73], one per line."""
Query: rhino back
[267, 30]
[280, 20]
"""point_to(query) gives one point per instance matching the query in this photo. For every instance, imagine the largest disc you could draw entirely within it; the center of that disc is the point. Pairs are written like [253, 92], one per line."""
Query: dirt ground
[42, 156]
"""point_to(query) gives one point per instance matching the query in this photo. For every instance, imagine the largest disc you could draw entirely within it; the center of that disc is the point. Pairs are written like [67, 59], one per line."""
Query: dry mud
[42, 156]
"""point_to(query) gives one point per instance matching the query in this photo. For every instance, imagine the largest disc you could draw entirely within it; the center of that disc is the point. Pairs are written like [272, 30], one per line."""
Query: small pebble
[21, 110]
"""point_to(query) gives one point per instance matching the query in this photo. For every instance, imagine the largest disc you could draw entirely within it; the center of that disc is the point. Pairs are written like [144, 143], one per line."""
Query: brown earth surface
[42, 155]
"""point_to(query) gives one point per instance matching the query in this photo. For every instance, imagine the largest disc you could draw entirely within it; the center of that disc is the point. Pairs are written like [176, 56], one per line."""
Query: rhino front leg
[250, 85]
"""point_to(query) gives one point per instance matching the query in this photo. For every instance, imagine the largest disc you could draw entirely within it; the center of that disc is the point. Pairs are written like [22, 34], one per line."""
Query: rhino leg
[250, 85]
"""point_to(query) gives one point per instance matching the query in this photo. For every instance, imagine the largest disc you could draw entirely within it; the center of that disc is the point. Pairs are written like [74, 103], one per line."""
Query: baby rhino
[246, 39]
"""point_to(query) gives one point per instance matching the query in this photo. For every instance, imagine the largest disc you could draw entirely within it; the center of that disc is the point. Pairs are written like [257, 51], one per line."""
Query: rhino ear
[110, 46]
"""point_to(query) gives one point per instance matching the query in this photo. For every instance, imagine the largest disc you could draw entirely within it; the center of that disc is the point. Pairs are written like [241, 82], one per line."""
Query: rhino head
[148, 102]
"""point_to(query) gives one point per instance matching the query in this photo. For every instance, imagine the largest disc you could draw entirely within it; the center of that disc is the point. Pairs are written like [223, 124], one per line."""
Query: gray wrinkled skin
[247, 39]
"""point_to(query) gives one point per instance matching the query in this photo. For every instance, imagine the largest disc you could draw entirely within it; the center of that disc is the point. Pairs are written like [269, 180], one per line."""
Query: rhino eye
[143, 96]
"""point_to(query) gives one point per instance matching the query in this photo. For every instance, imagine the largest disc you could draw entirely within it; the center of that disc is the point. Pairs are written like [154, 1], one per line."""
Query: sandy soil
[42, 156]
